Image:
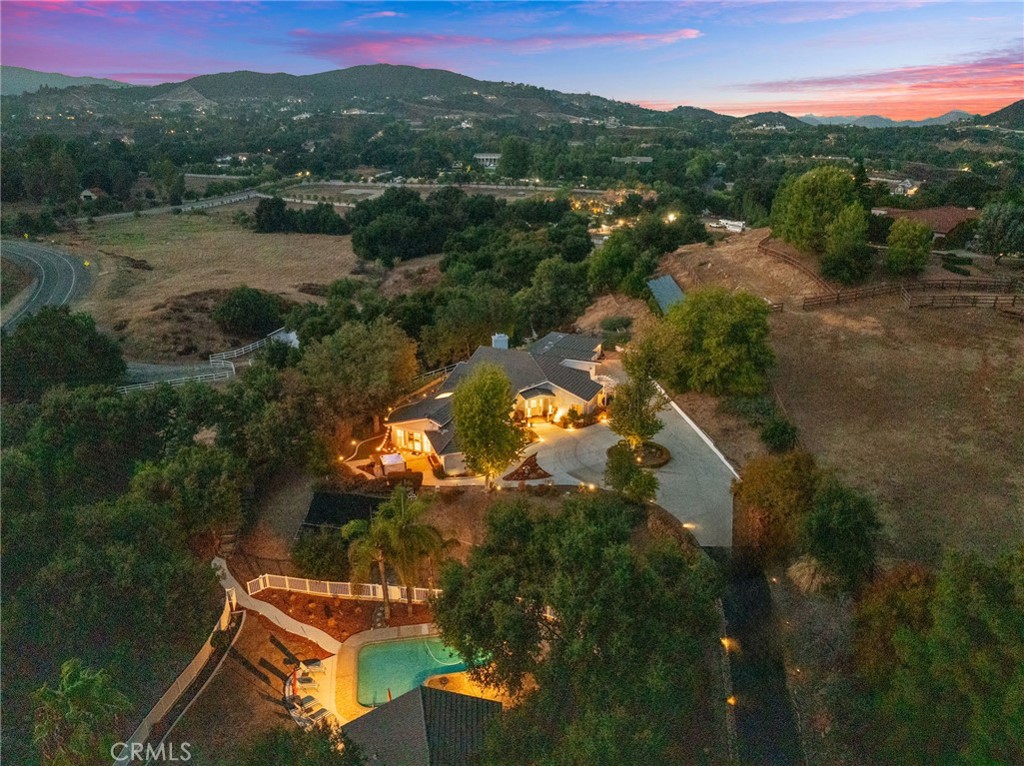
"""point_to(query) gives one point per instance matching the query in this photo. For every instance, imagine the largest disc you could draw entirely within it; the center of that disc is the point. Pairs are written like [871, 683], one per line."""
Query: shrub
[778, 434]
[616, 324]
[910, 243]
[322, 554]
[839, 531]
[248, 312]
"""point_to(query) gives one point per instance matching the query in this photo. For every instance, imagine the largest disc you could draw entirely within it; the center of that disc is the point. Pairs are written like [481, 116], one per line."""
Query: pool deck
[346, 684]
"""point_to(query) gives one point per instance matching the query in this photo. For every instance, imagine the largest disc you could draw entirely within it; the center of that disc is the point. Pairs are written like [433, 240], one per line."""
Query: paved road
[60, 278]
[199, 204]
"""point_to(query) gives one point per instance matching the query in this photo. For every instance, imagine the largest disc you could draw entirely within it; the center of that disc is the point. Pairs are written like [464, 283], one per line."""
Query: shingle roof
[443, 440]
[424, 727]
[562, 345]
[666, 292]
[431, 408]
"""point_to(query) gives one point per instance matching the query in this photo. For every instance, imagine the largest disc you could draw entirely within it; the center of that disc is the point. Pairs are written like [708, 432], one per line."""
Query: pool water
[400, 666]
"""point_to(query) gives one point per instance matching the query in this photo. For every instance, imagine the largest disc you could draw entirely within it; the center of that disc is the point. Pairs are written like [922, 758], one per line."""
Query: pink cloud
[346, 47]
[1000, 65]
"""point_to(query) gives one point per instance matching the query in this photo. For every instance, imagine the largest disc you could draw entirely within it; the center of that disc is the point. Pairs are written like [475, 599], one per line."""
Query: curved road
[60, 278]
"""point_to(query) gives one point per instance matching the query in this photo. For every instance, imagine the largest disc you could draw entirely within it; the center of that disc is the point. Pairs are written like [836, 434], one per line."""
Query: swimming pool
[400, 666]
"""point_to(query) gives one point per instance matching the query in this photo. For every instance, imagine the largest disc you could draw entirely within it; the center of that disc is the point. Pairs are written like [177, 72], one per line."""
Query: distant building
[632, 160]
[943, 221]
[733, 226]
[488, 160]
[89, 195]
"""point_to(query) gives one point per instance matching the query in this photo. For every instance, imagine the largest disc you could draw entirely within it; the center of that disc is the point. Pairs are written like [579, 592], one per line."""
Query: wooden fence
[952, 301]
[916, 286]
[764, 249]
[170, 698]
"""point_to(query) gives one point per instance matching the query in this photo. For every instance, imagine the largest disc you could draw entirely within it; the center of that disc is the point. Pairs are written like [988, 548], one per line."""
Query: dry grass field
[924, 408]
[159, 275]
[13, 279]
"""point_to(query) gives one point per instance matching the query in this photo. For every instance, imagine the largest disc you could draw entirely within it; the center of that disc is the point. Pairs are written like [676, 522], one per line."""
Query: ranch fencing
[921, 285]
[234, 353]
[224, 371]
[953, 301]
[763, 248]
[170, 698]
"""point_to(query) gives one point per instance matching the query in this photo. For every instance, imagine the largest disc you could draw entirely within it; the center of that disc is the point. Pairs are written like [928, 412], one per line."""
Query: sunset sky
[904, 59]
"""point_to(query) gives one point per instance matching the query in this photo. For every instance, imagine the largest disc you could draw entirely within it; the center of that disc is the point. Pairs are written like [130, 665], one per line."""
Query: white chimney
[499, 340]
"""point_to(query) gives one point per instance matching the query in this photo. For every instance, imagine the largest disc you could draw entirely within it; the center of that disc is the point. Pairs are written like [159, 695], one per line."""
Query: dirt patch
[13, 279]
[419, 274]
[244, 699]
[608, 306]
[734, 436]
[921, 408]
[735, 263]
[340, 617]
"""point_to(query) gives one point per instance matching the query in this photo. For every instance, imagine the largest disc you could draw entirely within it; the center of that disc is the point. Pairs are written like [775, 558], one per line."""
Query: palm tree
[414, 542]
[75, 721]
[394, 535]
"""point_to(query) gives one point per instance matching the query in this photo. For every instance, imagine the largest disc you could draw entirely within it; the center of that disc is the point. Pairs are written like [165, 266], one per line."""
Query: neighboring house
[488, 161]
[736, 227]
[90, 195]
[943, 221]
[555, 374]
[632, 160]
[424, 727]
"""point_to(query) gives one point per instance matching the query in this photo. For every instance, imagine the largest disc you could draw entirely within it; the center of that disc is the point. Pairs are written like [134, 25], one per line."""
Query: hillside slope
[15, 80]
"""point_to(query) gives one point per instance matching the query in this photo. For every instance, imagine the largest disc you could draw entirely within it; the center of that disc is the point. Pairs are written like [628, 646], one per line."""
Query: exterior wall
[540, 407]
[576, 364]
[404, 435]
[565, 401]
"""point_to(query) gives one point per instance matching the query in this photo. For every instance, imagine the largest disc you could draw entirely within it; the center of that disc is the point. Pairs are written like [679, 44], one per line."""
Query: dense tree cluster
[54, 346]
[942, 657]
[618, 670]
[248, 312]
[273, 215]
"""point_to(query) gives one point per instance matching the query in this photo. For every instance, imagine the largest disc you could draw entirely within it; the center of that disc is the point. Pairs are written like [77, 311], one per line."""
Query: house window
[399, 437]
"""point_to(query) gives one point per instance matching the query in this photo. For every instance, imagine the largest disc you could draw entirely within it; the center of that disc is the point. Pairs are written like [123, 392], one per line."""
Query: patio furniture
[307, 682]
[306, 703]
[311, 666]
[319, 715]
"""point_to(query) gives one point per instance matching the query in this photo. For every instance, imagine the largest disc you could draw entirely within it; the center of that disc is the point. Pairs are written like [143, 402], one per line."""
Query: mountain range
[415, 93]
[875, 121]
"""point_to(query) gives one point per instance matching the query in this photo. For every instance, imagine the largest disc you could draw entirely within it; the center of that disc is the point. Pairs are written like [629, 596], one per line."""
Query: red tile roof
[942, 220]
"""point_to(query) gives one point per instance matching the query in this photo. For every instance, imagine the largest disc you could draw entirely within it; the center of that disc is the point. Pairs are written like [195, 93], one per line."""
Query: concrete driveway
[694, 486]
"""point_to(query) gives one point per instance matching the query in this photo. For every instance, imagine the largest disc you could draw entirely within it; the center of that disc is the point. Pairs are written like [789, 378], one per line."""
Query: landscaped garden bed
[650, 455]
[340, 617]
[527, 471]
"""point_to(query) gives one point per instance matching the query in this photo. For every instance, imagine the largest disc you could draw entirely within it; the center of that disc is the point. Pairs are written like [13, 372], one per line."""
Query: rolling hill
[15, 80]
[1011, 116]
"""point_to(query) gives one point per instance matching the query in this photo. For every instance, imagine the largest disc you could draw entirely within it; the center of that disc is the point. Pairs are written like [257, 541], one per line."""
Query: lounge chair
[311, 666]
[306, 703]
[307, 682]
[319, 715]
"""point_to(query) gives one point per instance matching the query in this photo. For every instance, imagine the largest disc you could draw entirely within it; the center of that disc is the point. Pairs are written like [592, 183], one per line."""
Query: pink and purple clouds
[903, 59]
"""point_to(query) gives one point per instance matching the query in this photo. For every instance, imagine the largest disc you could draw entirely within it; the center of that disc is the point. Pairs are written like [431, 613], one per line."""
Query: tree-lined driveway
[695, 486]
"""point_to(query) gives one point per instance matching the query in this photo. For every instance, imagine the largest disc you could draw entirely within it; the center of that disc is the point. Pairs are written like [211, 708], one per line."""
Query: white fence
[181, 683]
[243, 350]
[225, 371]
[357, 590]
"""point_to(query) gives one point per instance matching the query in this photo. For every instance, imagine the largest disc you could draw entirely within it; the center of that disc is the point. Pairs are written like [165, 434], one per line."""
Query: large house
[553, 375]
